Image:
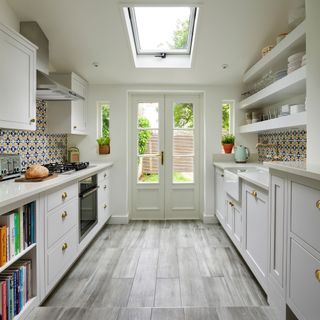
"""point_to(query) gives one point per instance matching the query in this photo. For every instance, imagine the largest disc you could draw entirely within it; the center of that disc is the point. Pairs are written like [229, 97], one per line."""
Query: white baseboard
[212, 219]
[119, 220]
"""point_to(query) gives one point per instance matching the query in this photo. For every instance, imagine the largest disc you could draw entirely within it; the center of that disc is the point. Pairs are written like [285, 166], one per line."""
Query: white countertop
[231, 164]
[11, 191]
[300, 168]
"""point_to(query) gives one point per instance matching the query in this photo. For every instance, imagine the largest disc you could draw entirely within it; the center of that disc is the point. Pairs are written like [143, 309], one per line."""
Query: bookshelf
[18, 258]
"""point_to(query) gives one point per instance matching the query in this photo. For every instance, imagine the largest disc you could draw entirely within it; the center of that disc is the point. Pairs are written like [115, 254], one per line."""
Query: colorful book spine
[4, 300]
[21, 231]
[12, 235]
[16, 233]
[3, 245]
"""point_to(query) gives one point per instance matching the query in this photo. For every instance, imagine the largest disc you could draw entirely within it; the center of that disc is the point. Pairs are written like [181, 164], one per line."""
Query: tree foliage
[144, 135]
[180, 36]
[183, 115]
[105, 120]
[226, 117]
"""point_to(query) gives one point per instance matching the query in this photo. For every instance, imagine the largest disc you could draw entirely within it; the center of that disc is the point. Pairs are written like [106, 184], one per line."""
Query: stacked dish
[294, 61]
[280, 74]
[304, 60]
[296, 108]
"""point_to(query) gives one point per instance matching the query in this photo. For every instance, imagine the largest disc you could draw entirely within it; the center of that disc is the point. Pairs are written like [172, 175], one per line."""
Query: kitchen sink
[232, 179]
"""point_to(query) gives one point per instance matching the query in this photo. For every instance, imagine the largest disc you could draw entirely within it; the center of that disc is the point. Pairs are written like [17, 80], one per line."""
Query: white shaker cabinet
[69, 116]
[255, 212]
[104, 211]
[234, 226]
[220, 196]
[17, 81]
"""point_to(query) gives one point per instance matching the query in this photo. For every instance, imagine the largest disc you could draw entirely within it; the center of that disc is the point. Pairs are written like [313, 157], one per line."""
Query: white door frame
[202, 138]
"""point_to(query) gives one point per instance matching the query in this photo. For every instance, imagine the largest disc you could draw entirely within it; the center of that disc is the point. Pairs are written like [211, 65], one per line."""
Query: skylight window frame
[184, 52]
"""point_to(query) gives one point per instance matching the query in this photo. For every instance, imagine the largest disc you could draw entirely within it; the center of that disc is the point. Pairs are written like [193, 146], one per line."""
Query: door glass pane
[182, 169]
[183, 116]
[183, 142]
[148, 142]
[148, 115]
[148, 169]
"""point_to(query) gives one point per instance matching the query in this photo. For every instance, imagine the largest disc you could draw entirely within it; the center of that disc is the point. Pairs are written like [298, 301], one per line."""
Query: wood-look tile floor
[158, 270]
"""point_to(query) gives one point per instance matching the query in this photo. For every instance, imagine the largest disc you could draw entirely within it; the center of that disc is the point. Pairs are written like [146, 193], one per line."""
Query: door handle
[162, 157]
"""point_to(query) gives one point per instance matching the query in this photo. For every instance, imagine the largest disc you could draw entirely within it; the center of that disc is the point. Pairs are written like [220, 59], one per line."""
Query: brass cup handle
[254, 193]
[318, 204]
[64, 196]
[317, 274]
[64, 246]
[64, 214]
[105, 206]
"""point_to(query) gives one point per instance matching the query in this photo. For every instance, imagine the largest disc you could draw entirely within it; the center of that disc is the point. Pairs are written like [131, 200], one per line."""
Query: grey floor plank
[188, 263]
[201, 314]
[168, 266]
[246, 313]
[168, 293]
[193, 292]
[135, 314]
[213, 262]
[90, 313]
[168, 238]
[127, 264]
[47, 313]
[167, 314]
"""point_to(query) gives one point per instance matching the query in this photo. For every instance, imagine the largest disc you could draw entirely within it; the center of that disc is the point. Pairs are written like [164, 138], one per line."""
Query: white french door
[165, 156]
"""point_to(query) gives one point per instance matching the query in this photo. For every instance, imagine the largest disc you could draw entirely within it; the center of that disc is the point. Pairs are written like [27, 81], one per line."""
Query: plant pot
[228, 147]
[104, 149]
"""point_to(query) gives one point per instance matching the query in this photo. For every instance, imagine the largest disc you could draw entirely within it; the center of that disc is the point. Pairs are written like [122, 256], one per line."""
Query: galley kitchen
[159, 160]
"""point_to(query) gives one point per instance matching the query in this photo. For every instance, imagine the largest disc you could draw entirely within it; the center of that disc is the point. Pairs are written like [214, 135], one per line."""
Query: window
[162, 31]
[104, 119]
[227, 117]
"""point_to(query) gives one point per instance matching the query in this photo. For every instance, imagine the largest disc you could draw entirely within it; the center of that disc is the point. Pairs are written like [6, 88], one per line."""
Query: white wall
[7, 16]
[117, 97]
[313, 81]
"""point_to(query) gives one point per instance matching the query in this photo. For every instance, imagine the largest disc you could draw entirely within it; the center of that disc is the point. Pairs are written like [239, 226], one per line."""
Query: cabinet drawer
[61, 220]
[62, 196]
[305, 216]
[61, 256]
[304, 288]
[103, 175]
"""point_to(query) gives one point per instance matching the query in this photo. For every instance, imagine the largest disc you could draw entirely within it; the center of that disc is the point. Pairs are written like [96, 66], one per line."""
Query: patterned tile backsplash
[290, 145]
[35, 147]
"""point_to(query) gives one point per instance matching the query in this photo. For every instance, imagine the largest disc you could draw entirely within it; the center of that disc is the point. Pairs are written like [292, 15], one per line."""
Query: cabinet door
[220, 196]
[237, 225]
[229, 217]
[277, 231]
[17, 81]
[104, 202]
[256, 230]
[78, 108]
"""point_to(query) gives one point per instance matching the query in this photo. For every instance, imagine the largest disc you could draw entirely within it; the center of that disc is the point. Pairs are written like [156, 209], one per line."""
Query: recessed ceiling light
[95, 64]
[225, 66]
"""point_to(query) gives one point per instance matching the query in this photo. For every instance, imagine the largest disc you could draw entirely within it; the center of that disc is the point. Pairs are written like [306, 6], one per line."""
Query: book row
[15, 289]
[17, 232]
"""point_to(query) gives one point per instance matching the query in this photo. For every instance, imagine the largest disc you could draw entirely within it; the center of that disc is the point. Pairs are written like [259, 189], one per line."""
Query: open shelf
[17, 257]
[292, 85]
[297, 120]
[280, 53]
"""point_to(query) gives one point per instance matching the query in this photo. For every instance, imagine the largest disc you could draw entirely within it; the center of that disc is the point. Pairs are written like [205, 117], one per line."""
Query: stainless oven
[88, 215]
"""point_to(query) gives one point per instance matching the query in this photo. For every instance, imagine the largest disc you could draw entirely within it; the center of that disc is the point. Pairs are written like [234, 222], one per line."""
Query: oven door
[88, 215]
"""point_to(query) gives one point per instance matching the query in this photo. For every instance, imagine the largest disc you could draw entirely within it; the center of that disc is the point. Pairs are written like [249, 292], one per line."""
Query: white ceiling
[83, 31]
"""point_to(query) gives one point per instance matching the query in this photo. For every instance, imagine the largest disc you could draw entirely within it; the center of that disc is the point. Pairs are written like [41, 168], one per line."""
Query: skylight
[162, 31]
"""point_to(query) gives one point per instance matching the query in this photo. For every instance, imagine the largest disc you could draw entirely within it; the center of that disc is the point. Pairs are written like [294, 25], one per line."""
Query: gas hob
[67, 167]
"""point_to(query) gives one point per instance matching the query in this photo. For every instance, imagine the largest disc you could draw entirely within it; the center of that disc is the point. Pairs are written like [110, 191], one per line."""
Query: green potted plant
[228, 142]
[104, 145]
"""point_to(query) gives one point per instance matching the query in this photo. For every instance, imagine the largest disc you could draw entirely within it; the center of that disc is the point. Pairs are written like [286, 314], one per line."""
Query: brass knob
[254, 193]
[105, 187]
[64, 196]
[317, 273]
[64, 246]
[318, 204]
[74, 127]
[33, 120]
[231, 204]
[222, 175]
[105, 206]
[64, 214]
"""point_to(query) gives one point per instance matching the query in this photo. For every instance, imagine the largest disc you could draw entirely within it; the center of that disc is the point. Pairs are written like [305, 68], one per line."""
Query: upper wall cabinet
[17, 81]
[68, 116]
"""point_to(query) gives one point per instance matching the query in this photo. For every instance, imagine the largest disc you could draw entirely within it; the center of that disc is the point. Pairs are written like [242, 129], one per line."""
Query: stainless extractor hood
[47, 88]
[50, 90]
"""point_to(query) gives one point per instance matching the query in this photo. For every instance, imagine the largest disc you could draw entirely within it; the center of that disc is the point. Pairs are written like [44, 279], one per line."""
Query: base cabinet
[220, 196]
[104, 211]
[255, 211]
